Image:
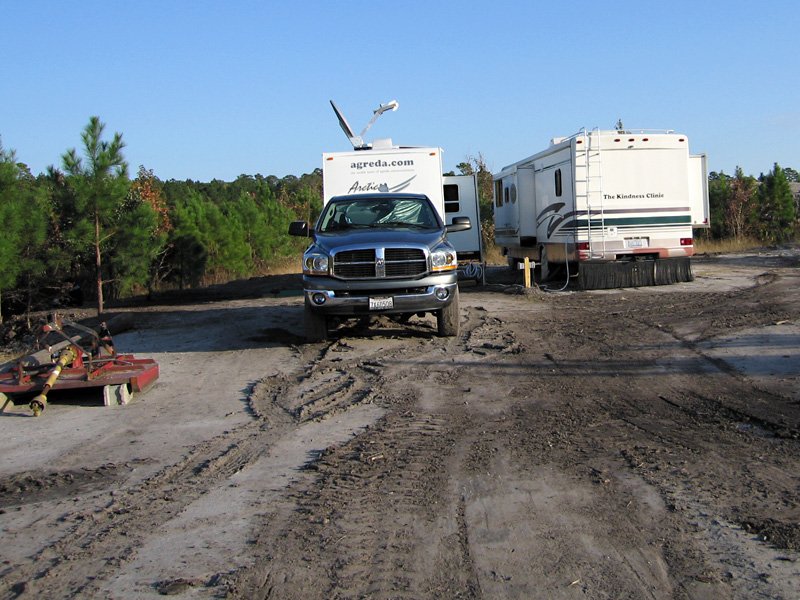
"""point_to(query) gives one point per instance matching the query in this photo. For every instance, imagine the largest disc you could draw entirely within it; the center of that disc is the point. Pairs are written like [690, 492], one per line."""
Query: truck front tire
[447, 318]
[315, 324]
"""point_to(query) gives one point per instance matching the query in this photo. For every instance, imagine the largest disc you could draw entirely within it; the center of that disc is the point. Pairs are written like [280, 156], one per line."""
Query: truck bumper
[335, 297]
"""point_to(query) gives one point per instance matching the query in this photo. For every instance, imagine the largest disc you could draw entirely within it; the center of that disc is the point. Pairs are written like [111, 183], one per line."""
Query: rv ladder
[589, 189]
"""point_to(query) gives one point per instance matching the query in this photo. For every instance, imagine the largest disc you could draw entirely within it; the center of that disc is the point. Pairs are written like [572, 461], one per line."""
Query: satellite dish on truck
[358, 140]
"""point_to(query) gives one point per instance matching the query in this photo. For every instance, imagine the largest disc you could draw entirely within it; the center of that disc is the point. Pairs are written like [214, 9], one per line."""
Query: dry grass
[283, 266]
[492, 253]
[725, 246]
[279, 266]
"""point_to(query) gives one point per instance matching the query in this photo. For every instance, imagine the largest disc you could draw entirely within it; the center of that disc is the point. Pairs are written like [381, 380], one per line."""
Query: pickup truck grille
[380, 263]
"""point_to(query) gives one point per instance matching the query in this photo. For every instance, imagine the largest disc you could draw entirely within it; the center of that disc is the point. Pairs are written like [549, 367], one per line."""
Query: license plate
[381, 303]
[637, 242]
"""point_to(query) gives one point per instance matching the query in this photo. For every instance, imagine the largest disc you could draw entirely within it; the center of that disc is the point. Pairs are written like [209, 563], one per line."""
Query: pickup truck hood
[372, 238]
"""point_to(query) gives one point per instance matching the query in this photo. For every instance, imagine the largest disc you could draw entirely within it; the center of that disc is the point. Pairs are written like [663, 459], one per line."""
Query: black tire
[315, 324]
[447, 321]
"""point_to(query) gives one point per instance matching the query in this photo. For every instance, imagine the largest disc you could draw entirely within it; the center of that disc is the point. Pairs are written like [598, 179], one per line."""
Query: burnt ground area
[640, 443]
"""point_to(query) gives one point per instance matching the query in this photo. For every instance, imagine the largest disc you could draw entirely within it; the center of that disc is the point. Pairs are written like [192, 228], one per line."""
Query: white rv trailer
[616, 208]
[383, 167]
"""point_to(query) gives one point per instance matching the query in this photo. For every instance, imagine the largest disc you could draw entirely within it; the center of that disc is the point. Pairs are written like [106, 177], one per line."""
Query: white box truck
[385, 168]
[614, 208]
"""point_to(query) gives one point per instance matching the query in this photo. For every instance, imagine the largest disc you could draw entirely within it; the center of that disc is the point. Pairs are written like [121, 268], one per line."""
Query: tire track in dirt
[574, 450]
[613, 397]
[32, 486]
[671, 450]
[385, 518]
[377, 521]
[554, 443]
[362, 525]
[99, 540]
[327, 381]
[660, 427]
[121, 524]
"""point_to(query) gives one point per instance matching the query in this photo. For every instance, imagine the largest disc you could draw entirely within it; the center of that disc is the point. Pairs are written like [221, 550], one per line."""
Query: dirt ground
[638, 443]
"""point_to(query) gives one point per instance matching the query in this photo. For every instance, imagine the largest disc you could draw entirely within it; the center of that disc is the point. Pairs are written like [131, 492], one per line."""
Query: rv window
[498, 193]
[558, 182]
[513, 193]
[451, 198]
[505, 195]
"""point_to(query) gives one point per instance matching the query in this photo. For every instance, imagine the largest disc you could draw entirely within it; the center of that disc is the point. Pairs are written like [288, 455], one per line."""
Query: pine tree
[719, 195]
[147, 192]
[136, 244]
[11, 211]
[776, 210]
[100, 189]
[742, 191]
[25, 216]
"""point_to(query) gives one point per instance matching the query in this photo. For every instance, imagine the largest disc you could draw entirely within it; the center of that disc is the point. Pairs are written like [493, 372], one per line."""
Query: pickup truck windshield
[378, 213]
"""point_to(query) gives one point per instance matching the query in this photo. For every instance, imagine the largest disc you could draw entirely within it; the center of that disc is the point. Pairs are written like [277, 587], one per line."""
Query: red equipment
[79, 361]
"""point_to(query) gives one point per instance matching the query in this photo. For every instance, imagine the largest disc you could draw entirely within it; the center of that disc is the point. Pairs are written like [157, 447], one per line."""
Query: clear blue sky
[204, 90]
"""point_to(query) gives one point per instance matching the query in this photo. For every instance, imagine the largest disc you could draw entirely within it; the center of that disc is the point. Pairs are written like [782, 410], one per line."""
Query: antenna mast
[358, 140]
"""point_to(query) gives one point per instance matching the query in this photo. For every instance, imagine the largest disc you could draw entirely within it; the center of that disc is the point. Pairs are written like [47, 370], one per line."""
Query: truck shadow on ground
[377, 326]
[225, 329]
[249, 327]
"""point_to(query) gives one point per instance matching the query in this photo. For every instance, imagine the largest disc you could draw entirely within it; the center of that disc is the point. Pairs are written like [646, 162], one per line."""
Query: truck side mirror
[459, 224]
[299, 228]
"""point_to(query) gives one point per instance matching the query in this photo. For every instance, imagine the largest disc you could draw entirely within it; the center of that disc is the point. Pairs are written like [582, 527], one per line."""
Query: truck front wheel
[316, 325]
[447, 318]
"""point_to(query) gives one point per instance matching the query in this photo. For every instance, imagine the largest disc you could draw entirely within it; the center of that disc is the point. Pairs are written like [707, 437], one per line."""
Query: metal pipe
[39, 402]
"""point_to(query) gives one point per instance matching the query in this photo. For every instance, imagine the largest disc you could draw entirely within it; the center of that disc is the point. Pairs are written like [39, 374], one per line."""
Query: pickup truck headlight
[315, 263]
[443, 258]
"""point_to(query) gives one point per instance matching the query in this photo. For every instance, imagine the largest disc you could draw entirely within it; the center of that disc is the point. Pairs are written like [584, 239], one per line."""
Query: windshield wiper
[344, 227]
[400, 224]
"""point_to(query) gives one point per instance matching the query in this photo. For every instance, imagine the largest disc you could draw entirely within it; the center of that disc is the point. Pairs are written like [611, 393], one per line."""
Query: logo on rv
[371, 186]
[551, 213]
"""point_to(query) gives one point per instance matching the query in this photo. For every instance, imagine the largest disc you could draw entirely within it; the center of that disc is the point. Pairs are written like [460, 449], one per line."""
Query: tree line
[85, 227]
[762, 208]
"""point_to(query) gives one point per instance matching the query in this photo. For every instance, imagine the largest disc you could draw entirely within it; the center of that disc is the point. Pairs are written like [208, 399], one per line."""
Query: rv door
[461, 200]
[506, 210]
[698, 191]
